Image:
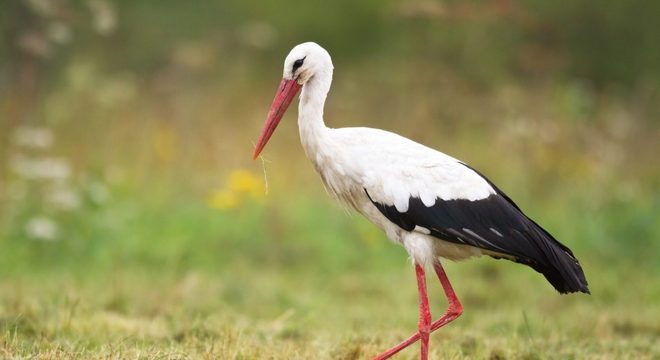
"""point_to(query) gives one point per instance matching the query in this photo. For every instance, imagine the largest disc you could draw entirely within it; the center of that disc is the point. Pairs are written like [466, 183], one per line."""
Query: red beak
[285, 94]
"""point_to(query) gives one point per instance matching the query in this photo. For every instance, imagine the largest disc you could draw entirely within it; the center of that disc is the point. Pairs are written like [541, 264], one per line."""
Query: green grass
[264, 312]
[270, 314]
[176, 279]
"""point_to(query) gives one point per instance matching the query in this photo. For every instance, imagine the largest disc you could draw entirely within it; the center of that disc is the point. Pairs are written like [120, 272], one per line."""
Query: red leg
[455, 309]
[424, 312]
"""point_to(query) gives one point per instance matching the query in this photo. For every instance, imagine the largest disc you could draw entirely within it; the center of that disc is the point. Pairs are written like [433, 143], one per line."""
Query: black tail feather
[557, 263]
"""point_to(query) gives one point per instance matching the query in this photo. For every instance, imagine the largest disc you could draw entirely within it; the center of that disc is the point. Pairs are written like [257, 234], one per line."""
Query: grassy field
[292, 277]
[168, 246]
[174, 245]
[270, 314]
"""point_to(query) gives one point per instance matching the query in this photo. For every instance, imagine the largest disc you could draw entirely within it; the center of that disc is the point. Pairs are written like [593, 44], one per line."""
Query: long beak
[285, 94]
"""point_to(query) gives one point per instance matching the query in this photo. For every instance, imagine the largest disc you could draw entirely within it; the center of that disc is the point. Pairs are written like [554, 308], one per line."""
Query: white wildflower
[41, 168]
[41, 228]
[64, 198]
[104, 16]
[33, 137]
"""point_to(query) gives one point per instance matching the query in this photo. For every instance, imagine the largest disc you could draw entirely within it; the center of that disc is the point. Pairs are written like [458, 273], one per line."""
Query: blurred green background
[134, 224]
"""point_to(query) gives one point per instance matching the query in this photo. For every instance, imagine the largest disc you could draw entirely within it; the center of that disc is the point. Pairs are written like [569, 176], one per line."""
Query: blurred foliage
[610, 44]
[114, 99]
[121, 97]
[126, 129]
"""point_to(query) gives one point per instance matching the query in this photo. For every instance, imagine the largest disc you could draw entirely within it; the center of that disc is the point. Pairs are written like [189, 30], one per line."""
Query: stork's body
[432, 204]
[363, 166]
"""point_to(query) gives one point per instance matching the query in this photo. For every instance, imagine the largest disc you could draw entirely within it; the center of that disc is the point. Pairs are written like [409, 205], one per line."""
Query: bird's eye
[298, 63]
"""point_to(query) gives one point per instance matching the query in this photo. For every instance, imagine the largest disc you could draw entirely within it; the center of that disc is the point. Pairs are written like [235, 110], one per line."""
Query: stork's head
[304, 61]
[300, 66]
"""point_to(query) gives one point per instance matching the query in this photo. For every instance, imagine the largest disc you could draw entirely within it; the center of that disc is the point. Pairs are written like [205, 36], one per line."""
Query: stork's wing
[451, 201]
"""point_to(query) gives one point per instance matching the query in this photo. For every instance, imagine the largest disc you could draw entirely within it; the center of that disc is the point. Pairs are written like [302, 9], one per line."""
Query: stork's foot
[448, 317]
[454, 311]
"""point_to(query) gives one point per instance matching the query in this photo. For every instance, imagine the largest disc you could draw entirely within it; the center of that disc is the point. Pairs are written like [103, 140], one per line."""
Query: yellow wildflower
[223, 200]
[240, 184]
[244, 182]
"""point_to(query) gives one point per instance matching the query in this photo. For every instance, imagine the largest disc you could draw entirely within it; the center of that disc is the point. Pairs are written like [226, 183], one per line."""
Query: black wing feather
[496, 224]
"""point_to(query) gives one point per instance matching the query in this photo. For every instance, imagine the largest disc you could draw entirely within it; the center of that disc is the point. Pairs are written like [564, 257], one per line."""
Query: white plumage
[432, 204]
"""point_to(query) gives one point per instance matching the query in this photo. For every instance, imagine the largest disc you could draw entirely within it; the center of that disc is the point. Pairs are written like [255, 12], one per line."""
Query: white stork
[432, 204]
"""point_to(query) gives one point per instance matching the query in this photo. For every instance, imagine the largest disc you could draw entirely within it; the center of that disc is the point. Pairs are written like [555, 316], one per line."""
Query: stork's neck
[310, 112]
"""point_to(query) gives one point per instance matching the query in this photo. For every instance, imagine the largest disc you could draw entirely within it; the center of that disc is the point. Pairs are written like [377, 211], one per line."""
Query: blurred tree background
[126, 129]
